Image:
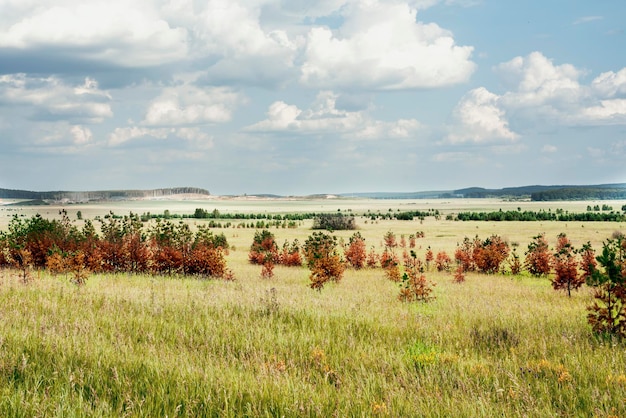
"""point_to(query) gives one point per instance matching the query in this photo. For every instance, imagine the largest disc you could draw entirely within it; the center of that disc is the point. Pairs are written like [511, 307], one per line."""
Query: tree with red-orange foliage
[388, 259]
[488, 255]
[464, 255]
[372, 258]
[176, 249]
[134, 247]
[77, 267]
[90, 247]
[415, 286]
[514, 263]
[117, 242]
[588, 261]
[355, 251]
[263, 248]
[290, 254]
[538, 260]
[442, 261]
[390, 240]
[566, 267]
[207, 255]
[459, 274]
[322, 257]
[167, 258]
[390, 263]
[429, 257]
[206, 261]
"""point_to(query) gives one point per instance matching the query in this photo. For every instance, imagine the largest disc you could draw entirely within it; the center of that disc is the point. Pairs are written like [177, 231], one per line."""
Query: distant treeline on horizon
[534, 193]
[100, 195]
[551, 193]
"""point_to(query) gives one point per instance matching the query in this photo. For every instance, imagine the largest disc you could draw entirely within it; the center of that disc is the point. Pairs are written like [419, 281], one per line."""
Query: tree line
[123, 245]
[558, 215]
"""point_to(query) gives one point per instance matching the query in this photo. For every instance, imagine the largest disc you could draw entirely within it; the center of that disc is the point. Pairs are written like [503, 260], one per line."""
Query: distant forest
[550, 193]
[99, 195]
[580, 193]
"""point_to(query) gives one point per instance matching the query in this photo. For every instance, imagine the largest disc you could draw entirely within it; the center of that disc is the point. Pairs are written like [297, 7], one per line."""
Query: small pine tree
[372, 258]
[355, 251]
[320, 252]
[514, 263]
[538, 258]
[566, 267]
[607, 315]
[442, 261]
[429, 258]
[588, 261]
[459, 274]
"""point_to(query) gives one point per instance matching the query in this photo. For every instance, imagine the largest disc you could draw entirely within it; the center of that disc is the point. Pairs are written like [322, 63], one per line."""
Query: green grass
[125, 345]
[144, 346]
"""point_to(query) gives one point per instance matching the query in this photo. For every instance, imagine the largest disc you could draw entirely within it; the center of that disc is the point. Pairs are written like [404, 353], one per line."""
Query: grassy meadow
[127, 345]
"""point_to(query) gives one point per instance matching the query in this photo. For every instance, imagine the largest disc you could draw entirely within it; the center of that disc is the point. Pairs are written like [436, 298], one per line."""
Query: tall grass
[148, 346]
[126, 345]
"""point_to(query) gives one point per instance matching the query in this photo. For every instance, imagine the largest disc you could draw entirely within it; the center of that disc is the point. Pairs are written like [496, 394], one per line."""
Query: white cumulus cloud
[479, 118]
[540, 95]
[323, 117]
[81, 135]
[381, 46]
[125, 33]
[51, 98]
[190, 105]
[195, 138]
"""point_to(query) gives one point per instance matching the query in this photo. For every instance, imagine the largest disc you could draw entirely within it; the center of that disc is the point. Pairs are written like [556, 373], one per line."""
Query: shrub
[334, 222]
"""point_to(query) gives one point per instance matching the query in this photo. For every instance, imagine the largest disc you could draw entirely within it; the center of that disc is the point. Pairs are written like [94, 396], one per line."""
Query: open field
[167, 346]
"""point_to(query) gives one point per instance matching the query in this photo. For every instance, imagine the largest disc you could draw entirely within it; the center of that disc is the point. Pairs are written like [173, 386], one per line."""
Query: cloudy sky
[300, 96]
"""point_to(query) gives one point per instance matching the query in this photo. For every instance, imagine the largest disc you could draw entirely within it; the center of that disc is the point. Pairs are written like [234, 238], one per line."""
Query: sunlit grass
[153, 346]
[170, 346]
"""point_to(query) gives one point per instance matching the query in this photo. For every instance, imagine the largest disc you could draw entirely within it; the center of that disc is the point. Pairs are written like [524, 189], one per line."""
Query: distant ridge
[533, 192]
[550, 193]
[101, 195]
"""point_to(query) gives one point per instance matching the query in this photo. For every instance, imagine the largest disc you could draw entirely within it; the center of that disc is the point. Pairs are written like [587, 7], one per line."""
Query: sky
[298, 97]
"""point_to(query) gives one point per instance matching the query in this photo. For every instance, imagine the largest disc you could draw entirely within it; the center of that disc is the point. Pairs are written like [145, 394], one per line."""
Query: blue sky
[301, 97]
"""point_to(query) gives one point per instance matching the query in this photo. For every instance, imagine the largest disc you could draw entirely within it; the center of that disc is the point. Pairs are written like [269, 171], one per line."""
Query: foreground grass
[144, 346]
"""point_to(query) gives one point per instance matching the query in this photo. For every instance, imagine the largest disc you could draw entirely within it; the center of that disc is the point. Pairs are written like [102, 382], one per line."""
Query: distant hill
[534, 192]
[100, 195]
[550, 193]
